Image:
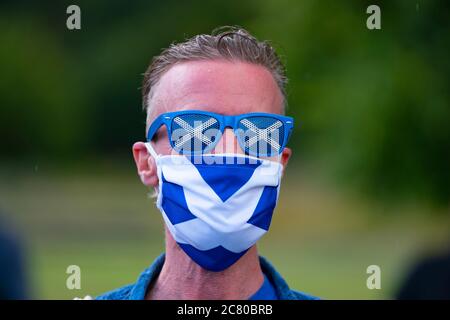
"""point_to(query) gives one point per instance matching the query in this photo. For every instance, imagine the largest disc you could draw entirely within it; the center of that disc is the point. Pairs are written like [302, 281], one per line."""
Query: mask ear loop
[155, 156]
[152, 151]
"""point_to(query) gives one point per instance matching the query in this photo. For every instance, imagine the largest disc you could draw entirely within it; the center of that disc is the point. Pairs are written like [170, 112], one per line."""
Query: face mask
[216, 206]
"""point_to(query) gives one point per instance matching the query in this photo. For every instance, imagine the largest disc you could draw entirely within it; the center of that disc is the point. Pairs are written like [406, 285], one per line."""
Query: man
[13, 277]
[215, 153]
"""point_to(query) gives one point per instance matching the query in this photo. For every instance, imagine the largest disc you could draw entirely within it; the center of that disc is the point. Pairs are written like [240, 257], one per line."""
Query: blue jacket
[137, 291]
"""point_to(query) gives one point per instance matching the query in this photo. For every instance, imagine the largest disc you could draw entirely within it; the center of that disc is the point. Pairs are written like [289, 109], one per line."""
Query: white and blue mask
[216, 206]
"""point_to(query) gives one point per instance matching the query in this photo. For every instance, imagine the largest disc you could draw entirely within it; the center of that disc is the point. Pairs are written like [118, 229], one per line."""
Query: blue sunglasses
[194, 132]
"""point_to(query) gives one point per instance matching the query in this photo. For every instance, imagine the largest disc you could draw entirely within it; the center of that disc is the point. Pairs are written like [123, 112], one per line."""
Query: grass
[321, 240]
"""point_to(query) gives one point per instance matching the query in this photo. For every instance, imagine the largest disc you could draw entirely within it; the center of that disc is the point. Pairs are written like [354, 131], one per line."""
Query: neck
[183, 279]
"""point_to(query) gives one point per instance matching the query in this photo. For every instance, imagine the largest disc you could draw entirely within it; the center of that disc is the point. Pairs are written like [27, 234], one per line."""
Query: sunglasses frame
[224, 122]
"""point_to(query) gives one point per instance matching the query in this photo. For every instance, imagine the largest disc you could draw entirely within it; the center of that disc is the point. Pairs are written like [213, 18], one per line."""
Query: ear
[285, 156]
[145, 164]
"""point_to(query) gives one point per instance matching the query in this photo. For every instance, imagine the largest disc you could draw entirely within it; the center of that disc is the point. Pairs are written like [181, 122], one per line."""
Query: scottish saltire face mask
[216, 206]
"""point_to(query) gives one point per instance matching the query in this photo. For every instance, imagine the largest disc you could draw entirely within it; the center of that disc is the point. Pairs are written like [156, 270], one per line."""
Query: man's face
[219, 86]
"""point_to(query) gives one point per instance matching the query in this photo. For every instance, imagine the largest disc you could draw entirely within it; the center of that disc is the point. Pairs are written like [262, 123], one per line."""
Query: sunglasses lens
[193, 133]
[261, 135]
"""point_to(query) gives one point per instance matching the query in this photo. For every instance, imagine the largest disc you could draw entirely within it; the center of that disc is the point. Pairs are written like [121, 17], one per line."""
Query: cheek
[163, 147]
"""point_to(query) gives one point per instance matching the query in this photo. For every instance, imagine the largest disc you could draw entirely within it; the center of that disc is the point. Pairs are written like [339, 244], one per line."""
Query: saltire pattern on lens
[261, 135]
[194, 132]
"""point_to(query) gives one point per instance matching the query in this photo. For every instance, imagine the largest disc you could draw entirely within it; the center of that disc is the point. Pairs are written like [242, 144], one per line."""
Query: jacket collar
[140, 288]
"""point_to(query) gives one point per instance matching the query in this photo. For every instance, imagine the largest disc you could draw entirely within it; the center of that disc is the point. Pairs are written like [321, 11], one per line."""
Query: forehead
[225, 87]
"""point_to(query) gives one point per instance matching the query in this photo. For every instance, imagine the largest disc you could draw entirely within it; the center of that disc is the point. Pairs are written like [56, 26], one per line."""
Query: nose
[228, 143]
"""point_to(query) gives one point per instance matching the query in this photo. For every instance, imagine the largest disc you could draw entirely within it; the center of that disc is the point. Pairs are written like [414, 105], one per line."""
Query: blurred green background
[369, 181]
